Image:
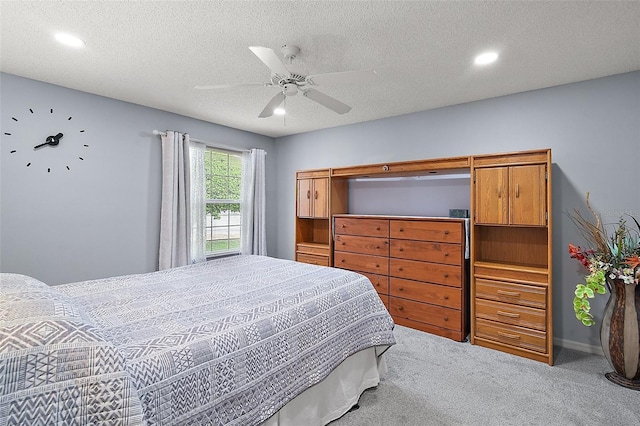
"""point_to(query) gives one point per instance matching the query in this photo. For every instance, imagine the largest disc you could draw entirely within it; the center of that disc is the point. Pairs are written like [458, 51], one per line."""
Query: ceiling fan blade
[270, 59]
[326, 101]
[228, 86]
[346, 77]
[272, 105]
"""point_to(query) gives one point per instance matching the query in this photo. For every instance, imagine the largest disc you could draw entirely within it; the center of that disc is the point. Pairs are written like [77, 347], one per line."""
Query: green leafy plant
[611, 256]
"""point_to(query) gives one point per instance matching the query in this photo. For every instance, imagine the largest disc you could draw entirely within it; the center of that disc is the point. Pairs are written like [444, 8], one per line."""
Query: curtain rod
[211, 144]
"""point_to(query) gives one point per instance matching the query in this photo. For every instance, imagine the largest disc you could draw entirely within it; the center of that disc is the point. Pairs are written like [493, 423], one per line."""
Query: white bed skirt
[336, 394]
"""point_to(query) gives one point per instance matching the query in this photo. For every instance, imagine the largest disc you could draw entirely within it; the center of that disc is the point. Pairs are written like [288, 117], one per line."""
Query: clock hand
[51, 140]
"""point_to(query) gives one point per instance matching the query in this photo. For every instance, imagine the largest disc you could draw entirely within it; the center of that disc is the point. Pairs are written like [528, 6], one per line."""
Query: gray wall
[102, 217]
[592, 127]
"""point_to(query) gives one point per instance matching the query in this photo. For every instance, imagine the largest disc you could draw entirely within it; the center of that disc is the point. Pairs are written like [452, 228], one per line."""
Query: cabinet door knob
[308, 194]
[316, 195]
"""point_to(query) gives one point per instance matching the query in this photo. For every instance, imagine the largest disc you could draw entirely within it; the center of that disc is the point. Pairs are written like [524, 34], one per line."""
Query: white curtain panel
[198, 202]
[175, 220]
[253, 203]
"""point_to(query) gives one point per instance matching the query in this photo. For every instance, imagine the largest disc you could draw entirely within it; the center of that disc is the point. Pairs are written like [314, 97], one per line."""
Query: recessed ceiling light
[279, 111]
[486, 58]
[69, 40]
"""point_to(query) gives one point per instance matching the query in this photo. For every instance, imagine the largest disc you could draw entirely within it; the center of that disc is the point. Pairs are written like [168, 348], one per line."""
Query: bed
[243, 340]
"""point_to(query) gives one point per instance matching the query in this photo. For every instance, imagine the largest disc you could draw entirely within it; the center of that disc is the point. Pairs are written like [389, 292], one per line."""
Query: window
[223, 174]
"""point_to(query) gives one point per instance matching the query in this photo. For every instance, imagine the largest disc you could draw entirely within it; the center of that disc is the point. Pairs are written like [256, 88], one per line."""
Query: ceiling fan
[290, 83]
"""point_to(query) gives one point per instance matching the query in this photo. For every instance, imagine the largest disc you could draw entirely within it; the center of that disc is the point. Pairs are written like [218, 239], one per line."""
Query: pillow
[55, 367]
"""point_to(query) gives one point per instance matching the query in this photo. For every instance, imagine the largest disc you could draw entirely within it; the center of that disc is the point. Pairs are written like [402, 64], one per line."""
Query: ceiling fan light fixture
[486, 58]
[69, 40]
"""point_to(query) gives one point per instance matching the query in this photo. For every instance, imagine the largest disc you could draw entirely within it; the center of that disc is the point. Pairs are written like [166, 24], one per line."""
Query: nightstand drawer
[424, 292]
[520, 294]
[377, 246]
[445, 232]
[359, 226]
[426, 271]
[511, 314]
[512, 335]
[361, 262]
[450, 254]
[313, 248]
[312, 259]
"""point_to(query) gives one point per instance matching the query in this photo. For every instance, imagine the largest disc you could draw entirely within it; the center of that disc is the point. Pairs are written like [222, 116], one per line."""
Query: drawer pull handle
[446, 275]
[377, 228]
[400, 289]
[509, 336]
[342, 260]
[377, 247]
[343, 243]
[508, 314]
[446, 297]
[446, 319]
[400, 269]
[400, 230]
[400, 308]
[446, 254]
[377, 265]
[308, 194]
[344, 226]
[446, 232]
[316, 195]
[509, 293]
[400, 249]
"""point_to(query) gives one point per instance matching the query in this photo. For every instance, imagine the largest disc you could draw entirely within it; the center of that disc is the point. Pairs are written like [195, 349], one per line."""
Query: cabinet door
[527, 189]
[320, 192]
[304, 197]
[491, 193]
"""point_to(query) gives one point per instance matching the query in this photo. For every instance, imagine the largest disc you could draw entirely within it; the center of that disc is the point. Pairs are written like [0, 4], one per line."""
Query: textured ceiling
[154, 53]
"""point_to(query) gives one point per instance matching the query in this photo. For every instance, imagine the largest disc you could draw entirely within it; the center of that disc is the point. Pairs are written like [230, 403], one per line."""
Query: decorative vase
[620, 333]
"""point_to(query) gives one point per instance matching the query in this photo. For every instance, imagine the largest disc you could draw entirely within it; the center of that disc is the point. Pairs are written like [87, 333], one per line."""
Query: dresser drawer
[426, 313]
[380, 282]
[312, 259]
[378, 246]
[434, 294]
[501, 291]
[512, 335]
[359, 226]
[445, 232]
[426, 271]
[511, 314]
[361, 262]
[427, 251]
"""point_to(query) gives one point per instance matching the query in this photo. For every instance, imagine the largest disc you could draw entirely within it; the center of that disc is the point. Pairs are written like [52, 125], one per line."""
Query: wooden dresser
[416, 264]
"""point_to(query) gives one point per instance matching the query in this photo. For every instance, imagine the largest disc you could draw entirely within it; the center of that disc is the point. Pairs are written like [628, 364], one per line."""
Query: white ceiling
[154, 53]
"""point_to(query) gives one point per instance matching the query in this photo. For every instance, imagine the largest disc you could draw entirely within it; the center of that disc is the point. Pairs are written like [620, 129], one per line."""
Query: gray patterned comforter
[230, 341]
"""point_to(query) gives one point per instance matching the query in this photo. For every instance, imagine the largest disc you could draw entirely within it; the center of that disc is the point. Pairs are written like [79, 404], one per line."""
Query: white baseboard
[583, 347]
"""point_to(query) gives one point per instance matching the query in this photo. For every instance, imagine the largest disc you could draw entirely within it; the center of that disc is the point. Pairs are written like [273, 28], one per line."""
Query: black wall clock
[33, 134]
